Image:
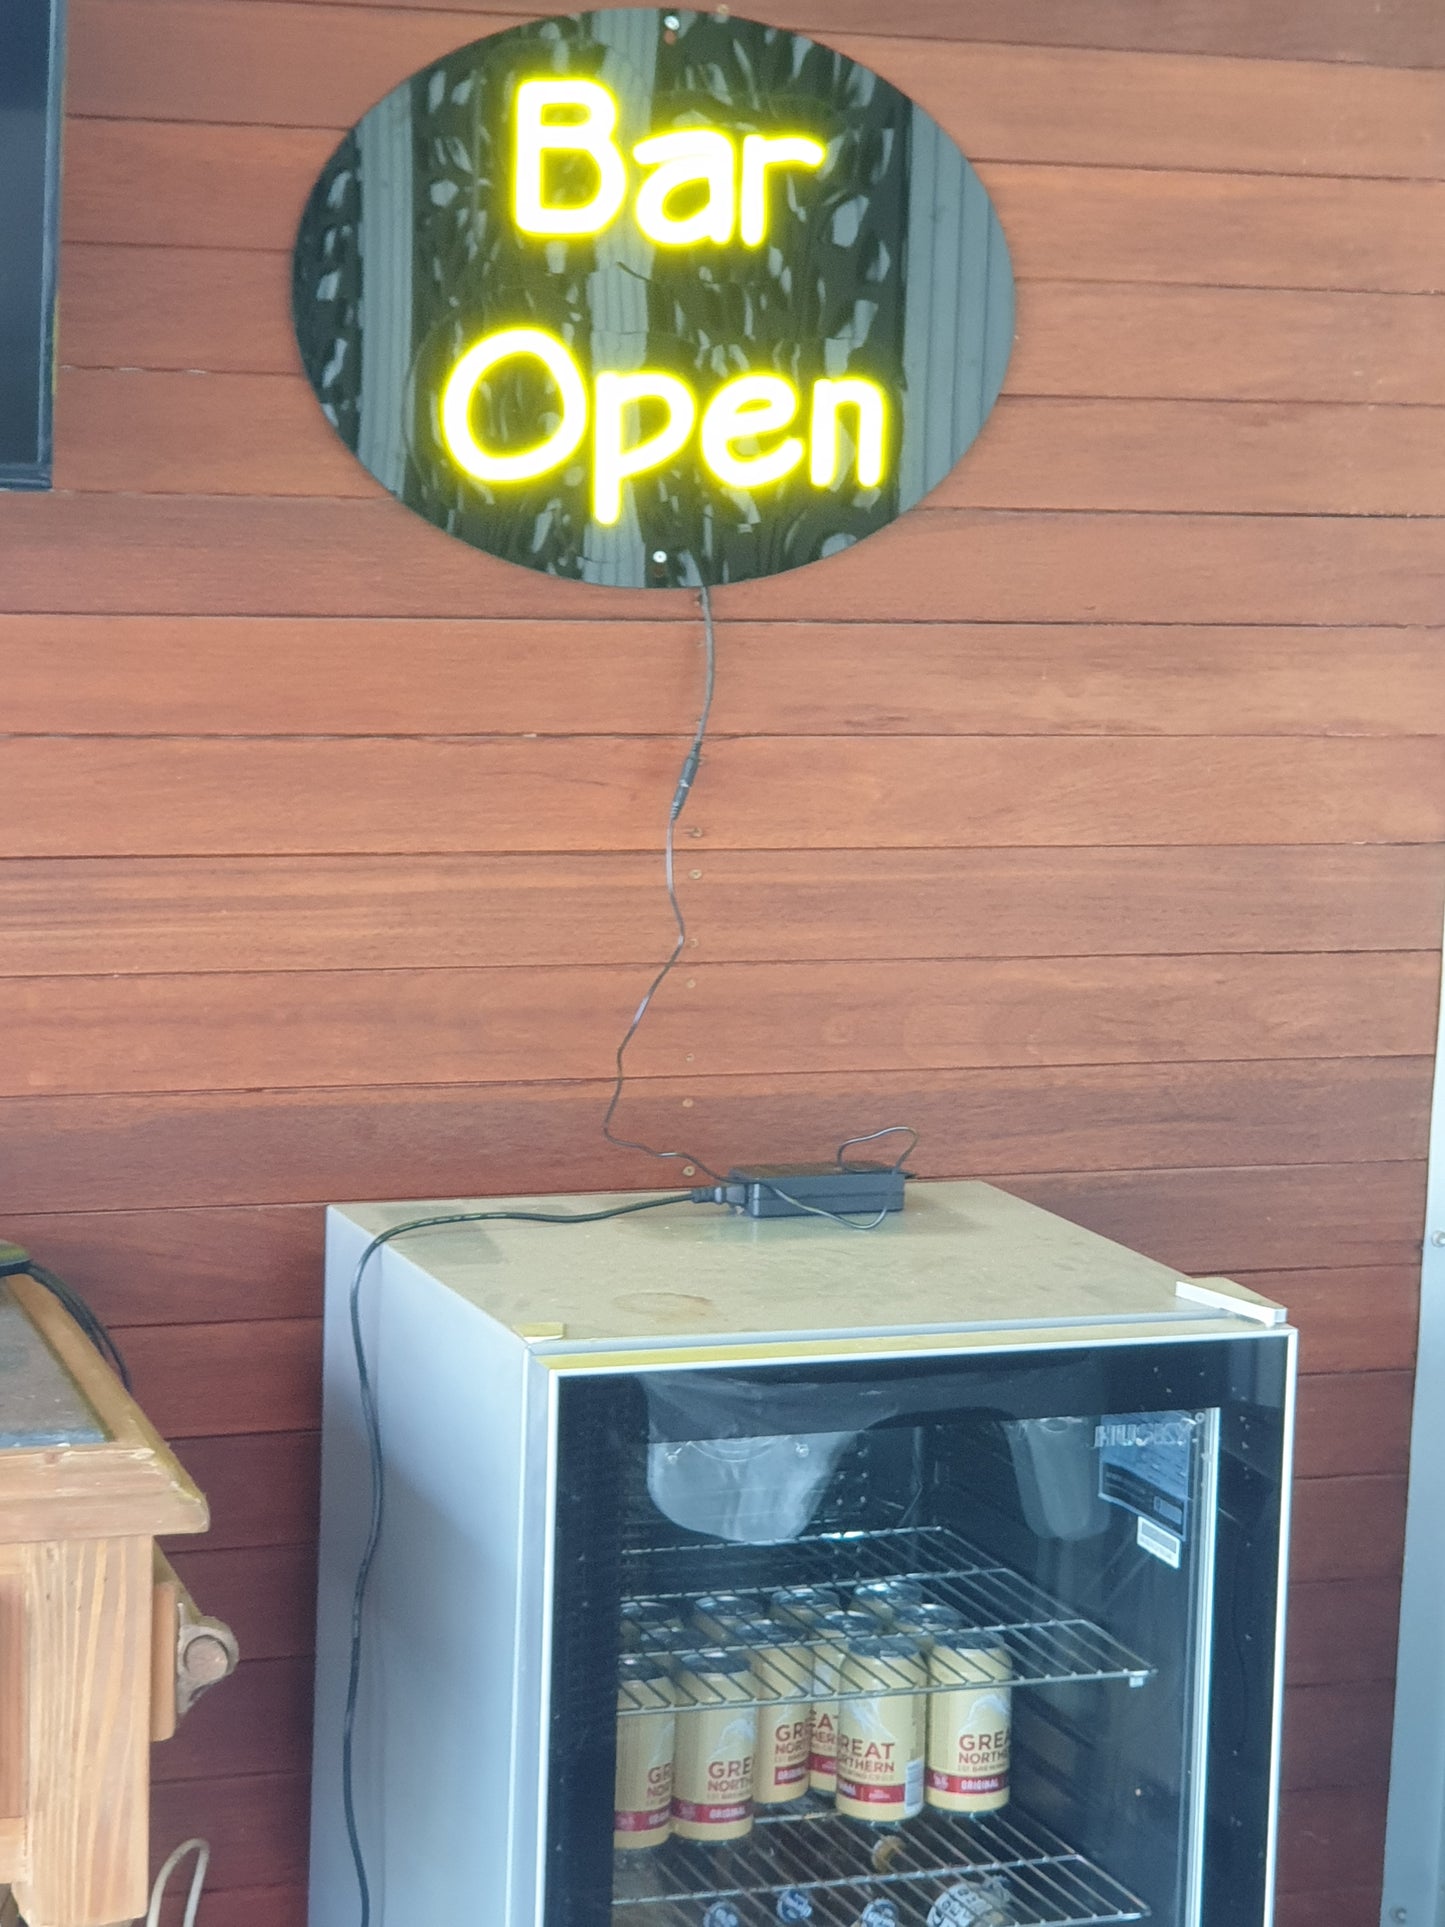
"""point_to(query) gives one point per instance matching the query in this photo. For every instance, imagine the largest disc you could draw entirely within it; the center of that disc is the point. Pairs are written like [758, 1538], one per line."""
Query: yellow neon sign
[744, 409]
[736, 185]
[612, 463]
[750, 406]
[724, 187]
[540, 133]
[871, 423]
[760, 152]
[462, 384]
[678, 161]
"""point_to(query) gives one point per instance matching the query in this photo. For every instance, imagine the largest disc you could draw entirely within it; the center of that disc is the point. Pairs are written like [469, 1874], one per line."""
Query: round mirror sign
[653, 298]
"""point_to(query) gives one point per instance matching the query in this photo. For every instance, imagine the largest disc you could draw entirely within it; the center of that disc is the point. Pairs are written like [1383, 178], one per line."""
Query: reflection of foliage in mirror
[421, 196]
[326, 291]
[823, 296]
[472, 273]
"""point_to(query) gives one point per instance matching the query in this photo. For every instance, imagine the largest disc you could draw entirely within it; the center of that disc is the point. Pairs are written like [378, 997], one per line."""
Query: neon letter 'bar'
[538, 134]
[695, 154]
[760, 152]
[750, 405]
[824, 453]
[611, 462]
[467, 452]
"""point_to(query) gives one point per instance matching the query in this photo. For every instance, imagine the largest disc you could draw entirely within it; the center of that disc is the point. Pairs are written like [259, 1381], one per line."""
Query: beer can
[782, 1664]
[717, 1736]
[642, 1802]
[885, 1598]
[666, 1641]
[930, 1622]
[831, 1637]
[805, 1605]
[881, 1728]
[643, 1615]
[969, 1724]
[717, 1615]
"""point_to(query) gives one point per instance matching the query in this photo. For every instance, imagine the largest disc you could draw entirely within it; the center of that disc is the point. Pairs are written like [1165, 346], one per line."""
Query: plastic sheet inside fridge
[888, 1625]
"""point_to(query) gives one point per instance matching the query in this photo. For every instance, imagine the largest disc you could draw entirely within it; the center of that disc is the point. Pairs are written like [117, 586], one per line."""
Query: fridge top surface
[959, 1256]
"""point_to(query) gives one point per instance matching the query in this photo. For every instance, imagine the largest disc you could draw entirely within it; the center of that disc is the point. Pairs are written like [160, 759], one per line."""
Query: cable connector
[809, 1190]
[685, 780]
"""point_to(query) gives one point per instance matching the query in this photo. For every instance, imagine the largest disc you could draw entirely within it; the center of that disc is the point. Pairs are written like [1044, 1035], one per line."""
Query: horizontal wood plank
[227, 311]
[199, 796]
[268, 675]
[263, 1488]
[1228, 344]
[212, 308]
[224, 555]
[258, 1826]
[265, 1594]
[261, 1723]
[1340, 1632]
[1354, 1907]
[269, 1030]
[263, 62]
[1351, 1422]
[1216, 230]
[1338, 1735]
[118, 1154]
[68, 916]
[278, 1907]
[1332, 1839]
[1347, 1529]
[1407, 33]
[1350, 1320]
[178, 184]
[1179, 457]
[1248, 1220]
[161, 433]
[204, 1381]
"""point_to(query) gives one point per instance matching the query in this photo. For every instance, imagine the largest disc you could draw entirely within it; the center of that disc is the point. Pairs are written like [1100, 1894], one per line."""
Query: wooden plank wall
[1091, 818]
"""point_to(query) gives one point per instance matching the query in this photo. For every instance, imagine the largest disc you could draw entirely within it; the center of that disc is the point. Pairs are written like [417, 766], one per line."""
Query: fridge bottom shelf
[992, 1870]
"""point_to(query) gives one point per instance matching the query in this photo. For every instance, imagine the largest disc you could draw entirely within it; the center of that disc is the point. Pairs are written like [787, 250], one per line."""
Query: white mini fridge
[738, 1571]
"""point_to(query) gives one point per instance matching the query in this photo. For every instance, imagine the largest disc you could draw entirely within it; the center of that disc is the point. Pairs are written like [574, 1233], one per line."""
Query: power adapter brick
[804, 1190]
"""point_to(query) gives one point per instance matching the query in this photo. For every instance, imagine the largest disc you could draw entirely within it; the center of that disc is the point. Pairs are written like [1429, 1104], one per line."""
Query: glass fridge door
[926, 1643]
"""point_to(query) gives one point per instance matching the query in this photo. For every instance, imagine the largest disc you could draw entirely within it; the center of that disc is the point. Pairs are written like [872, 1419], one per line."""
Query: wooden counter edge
[130, 1484]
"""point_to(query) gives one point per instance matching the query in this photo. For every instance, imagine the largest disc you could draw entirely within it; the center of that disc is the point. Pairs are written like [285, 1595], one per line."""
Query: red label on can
[877, 1796]
[967, 1782]
[640, 1822]
[790, 1775]
[711, 1816]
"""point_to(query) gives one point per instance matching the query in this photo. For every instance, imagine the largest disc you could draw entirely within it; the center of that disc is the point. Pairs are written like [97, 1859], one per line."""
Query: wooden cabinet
[90, 1627]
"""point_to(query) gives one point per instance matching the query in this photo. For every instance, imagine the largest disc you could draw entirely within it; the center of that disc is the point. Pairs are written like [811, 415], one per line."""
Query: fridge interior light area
[594, 1435]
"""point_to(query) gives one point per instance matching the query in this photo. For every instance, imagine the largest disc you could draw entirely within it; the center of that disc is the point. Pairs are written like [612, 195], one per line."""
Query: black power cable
[16, 1261]
[686, 776]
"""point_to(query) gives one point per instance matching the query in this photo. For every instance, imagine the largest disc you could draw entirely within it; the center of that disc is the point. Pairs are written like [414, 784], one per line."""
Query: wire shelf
[810, 1865]
[1045, 1643]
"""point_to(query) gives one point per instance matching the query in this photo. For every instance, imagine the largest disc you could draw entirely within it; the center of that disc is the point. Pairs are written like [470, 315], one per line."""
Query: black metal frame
[1246, 1381]
[32, 67]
